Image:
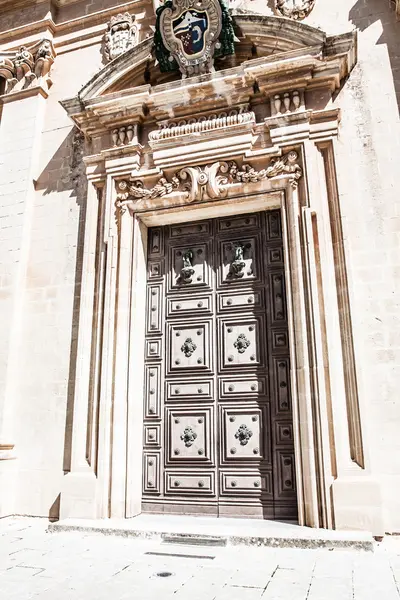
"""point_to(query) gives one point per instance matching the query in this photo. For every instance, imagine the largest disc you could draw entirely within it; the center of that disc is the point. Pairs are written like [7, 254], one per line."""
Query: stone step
[206, 531]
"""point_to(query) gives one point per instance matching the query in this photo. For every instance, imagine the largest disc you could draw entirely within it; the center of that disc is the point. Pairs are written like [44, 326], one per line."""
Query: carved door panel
[218, 431]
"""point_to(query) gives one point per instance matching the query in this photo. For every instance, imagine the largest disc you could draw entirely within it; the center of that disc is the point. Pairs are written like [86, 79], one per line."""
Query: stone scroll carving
[27, 65]
[294, 9]
[121, 35]
[211, 181]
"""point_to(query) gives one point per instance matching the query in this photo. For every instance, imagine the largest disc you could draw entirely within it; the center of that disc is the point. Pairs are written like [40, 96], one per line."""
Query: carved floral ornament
[211, 181]
[27, 64]
[294, 9]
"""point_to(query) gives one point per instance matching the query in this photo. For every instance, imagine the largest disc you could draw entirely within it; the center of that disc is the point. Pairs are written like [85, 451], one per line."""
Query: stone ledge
[224, 531]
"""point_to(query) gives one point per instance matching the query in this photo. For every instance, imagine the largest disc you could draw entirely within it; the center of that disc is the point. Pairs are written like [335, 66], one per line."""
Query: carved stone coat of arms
[189, 33]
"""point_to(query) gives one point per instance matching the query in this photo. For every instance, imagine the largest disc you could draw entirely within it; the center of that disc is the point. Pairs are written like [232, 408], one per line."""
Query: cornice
[57, 28]
[303, 69]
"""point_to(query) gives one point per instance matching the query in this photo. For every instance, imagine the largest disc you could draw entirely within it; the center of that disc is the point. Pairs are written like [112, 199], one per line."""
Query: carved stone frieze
[205, 123]
[294, 9]
[27, 65]
[211, 181]
[121, 35]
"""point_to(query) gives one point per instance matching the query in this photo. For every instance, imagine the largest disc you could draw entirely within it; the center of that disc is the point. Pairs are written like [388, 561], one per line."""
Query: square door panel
[234, 301]
[153, 349]
[183, 483]
[151, 472]
[154, 308]
[189, 266]
[275, 256]
[155, 269]
[195, 390]
[152, 406]
[189, 347]
[245, 483]
[189, 435]
[152, 434]
[284, 433]
[189, 305]
[239, 223]
[252, 387]
[190, 229]
[280, 341]
[244, 434]
[240, 260]
[241, 343]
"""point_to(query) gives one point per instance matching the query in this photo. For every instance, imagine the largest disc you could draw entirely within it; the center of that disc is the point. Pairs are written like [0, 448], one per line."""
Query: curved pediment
[257, 36]
[275, 58]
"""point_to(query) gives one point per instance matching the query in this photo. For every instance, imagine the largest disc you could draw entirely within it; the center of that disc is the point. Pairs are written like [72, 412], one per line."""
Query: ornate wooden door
[218, 430]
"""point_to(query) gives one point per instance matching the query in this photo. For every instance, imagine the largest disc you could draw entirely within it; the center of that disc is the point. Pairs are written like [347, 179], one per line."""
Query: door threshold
[230, 531]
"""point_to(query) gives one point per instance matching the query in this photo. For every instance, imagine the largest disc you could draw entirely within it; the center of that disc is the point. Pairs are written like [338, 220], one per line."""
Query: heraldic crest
[190, 33]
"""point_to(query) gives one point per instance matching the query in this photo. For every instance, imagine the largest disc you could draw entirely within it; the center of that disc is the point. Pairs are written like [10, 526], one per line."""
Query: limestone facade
[97, 145]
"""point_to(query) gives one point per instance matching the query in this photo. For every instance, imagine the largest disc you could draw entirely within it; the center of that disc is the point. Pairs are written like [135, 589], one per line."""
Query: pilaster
[21, 125]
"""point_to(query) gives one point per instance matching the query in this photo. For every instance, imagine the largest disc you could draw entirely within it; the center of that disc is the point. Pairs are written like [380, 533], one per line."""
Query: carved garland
[211, 180]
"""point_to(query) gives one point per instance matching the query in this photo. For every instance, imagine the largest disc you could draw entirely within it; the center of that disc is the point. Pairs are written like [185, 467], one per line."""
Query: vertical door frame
[287, 200]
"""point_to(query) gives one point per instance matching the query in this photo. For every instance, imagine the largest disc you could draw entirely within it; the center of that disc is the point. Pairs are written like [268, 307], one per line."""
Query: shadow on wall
[65, 172]
[364, 14]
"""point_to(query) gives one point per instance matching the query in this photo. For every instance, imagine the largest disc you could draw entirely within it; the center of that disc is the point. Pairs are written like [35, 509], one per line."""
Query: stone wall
[42, 228]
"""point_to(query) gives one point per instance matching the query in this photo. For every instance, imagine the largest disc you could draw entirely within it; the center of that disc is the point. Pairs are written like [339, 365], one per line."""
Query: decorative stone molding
[287, 102]
[121, 35]
[294, 9]
[212, 122]
[30, 63]
[122, 136]
[211, 181]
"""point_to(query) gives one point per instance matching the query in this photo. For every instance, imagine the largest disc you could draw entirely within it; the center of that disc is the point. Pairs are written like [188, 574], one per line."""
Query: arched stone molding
[279, 154]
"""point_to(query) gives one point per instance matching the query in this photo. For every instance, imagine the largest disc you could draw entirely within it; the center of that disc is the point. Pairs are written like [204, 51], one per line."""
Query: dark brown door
[218, 430]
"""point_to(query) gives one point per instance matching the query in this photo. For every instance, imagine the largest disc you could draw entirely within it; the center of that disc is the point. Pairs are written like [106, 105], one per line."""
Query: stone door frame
[334, 485]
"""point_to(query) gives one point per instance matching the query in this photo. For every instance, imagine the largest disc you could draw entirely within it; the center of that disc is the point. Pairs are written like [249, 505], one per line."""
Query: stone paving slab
[38, 565]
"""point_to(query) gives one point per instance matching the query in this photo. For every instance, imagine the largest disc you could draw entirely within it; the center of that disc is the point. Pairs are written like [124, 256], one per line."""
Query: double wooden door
[218, 430]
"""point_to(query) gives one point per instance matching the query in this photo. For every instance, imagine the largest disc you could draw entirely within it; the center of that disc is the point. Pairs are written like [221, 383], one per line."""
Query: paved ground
[74, 566]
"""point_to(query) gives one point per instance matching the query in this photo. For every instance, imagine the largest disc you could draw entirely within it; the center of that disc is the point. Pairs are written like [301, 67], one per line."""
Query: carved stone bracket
[211, 181]
[27, 65]
[294, 9]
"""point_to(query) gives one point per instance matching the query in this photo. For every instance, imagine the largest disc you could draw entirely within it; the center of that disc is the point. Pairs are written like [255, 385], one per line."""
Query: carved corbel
[28, 64]
[44, 59]
[24, 64]
[7, 71]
